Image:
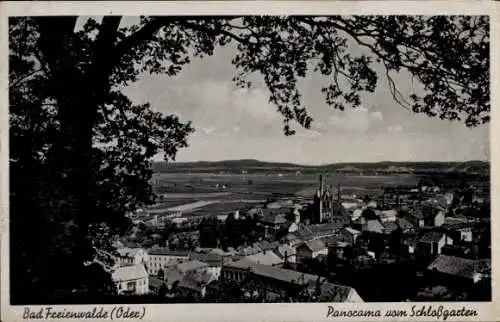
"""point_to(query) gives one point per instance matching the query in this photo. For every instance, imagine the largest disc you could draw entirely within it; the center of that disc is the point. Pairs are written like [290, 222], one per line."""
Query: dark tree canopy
[81, 151]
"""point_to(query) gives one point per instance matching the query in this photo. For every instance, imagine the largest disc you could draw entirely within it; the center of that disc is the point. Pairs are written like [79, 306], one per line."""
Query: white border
[250, 312]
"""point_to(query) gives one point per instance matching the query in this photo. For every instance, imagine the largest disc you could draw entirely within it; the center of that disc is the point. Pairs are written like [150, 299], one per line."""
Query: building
[390, 227]
[433, 216]
[455, 270]
[274, 283]
[370, 222]
[387, 215]
[287, 253]
[131, 280]
[328, 207]
[457, 230]
[131, 256]
[194, 284]
[310, 250]
[268, 257]
[415, 218]
[349, 235]
[405, 225]
[272, 222]
[431, 243]
[163, 257]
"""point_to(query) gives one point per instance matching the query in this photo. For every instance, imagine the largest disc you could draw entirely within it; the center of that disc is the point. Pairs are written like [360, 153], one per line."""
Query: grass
[184, 188]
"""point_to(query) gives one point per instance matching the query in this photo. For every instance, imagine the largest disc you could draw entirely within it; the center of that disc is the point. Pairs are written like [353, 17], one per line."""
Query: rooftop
[128, 273]
[431, 237]
[191, 266]
[458, 266]
[268, 258]
[208, 258]
[314, 245]
[285, 275]
[168, 252]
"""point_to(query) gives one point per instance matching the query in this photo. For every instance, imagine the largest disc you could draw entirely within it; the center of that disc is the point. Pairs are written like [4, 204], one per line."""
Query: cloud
[208, 131]
[309, 134]
[236, 129]
[354, 120]
[395, 129]
[377, 115]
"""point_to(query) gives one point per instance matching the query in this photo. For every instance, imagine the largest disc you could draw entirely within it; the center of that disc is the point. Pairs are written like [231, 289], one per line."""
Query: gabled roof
[335, 293]
[431, 237]
[458, 266]
[404, 223]
[390, 226]
[369, 214]
[128, 273]
[191, 266]
[352, 231]
[209, 258]
[168, 252]
[128, 252]
[155, 282]
[281, 274]
[267, 258]
[275, 219]
[314, 245]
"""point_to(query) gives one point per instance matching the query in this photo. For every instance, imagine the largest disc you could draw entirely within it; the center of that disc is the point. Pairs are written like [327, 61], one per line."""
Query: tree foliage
[81, 151]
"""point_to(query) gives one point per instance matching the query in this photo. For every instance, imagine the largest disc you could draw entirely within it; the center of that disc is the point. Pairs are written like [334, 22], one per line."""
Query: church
[327, 205]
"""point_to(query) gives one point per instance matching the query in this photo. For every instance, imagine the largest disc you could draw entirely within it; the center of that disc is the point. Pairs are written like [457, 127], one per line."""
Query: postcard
[249, 161]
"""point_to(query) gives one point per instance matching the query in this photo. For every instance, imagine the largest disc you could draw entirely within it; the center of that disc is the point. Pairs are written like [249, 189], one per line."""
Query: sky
[231, 123]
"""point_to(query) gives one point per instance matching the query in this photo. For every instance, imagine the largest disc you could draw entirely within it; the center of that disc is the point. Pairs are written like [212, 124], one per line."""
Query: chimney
[320, 217]
[321, 185]
[338, 192]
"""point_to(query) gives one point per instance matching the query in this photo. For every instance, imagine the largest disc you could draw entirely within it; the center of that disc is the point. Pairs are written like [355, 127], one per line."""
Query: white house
[162, 257]
[310, 250]
[131, 280]
[131, 256]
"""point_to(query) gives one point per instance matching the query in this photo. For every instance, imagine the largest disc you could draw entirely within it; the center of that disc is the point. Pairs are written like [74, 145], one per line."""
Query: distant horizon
[319, 164]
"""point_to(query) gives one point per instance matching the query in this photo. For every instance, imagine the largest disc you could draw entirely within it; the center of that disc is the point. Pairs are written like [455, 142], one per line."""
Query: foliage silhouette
[81, 151]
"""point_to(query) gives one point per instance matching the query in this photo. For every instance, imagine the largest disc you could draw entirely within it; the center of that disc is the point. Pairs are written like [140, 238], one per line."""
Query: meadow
[238, 191]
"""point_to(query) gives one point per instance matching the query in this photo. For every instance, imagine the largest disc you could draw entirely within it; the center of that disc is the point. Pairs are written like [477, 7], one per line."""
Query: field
[228, 192]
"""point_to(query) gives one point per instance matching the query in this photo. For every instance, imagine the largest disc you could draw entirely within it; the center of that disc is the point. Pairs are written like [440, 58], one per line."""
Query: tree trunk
[79, 92]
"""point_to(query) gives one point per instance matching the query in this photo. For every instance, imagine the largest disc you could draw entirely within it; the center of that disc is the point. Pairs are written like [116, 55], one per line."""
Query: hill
[249, 165]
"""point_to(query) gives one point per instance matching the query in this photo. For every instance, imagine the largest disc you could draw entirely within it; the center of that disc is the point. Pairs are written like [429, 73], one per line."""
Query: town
[424, 242]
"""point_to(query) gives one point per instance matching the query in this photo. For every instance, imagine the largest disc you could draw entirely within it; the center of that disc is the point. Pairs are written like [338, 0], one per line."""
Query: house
[387, 215]
[326, 230]
[349, 235]
[455, 270]
[286, 252]
[410, 243]
[416, 218]
[272, 222]
[131, 256]
[193, 265]
[155, 285]
[356, 213]
[274, 283]
[431, 243]
[194, 284]
[457, 230]
[433, 216]
[211, 259]
[131, 280]
[389, 227]
[266, 258]
[336, 250]
[310, 249]
[163, 257]
[405, 225]
[372, 225]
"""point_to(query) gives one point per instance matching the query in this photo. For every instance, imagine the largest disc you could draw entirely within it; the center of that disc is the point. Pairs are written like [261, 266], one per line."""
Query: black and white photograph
[248, 158]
